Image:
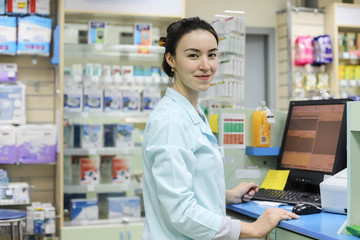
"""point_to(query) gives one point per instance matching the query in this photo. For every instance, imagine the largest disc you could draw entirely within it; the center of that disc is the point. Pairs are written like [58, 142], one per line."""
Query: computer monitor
[314, 142]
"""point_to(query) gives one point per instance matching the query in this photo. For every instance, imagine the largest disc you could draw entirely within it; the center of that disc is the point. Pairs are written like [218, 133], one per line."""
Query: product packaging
[8, 72]
[73, 96]
[16, 7]
[262, 118]
[97, 32]
[84, 209]
[90, 170]
[2, 7]
[34, 35]
[39, 221]
[41, 7]
[303, 50]
[124, 136]
[91, 136]
[7, 144]
[93, 99]
[131, 100]
[36, 143]
[151, 97]
[8, 35]
[322, 50]
[112, 99]
[142, 33]
[50, 217]
[12, 103]
[121, 172]
[120, 207]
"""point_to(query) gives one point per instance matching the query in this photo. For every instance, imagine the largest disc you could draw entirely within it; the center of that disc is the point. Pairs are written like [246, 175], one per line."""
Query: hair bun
[162, 41]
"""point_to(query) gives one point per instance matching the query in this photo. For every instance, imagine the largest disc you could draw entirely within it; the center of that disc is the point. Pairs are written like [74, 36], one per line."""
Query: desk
[321, 226]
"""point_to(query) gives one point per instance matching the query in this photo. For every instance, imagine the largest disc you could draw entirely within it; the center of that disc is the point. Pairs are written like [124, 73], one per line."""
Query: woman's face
[195, 61]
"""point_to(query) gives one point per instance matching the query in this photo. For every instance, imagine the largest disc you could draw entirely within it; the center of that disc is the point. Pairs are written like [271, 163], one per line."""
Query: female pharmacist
[184, 187]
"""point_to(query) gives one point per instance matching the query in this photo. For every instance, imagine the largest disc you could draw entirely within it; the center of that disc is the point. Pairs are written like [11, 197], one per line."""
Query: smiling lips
[203, 77]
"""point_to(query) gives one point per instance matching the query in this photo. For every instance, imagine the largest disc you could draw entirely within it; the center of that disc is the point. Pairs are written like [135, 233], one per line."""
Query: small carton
[120, 207]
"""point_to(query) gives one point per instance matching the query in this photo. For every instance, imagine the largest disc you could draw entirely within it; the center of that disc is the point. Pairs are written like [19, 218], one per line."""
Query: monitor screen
[314, 140]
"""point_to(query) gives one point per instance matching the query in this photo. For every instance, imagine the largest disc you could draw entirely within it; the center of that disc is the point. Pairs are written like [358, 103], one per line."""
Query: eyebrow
[197, 50]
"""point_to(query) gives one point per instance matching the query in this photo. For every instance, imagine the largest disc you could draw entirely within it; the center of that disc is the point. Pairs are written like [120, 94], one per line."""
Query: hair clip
[162, 41]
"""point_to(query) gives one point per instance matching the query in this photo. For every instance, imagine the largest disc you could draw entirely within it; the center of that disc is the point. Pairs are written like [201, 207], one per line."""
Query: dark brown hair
[176, 31]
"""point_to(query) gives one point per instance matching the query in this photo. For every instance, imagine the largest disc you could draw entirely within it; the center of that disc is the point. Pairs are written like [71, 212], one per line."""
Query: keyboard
[287, 196]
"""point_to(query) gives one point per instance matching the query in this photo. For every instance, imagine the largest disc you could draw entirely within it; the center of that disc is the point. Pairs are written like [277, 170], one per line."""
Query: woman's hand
[241, 193]
[265, 223]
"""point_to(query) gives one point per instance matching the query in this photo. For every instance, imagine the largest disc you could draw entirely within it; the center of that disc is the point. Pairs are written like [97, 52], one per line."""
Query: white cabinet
[117, 51]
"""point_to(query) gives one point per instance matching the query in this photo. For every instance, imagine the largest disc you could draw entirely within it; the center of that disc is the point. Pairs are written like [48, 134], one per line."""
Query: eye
[213, 55]
[193, 55]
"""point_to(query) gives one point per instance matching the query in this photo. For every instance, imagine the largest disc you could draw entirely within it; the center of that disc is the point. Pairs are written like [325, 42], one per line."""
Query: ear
[170, 59]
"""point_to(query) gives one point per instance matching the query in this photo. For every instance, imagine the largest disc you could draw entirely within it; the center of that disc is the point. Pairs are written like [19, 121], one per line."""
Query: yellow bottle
[261, 127]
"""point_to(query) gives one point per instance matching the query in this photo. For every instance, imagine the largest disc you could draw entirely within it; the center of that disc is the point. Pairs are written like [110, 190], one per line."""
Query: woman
[184, 186]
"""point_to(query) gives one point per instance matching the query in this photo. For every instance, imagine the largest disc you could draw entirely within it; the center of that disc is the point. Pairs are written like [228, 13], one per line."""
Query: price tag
[92, 151]
[91, 188]
[143, 49]
[21, 5]
[84, 114]
[98, 47]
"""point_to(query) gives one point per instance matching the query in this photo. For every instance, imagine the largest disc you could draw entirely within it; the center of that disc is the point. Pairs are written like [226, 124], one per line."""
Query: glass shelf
[100, 151]
[134, 52]
[99, 188]
[104, 221]
[105, 117]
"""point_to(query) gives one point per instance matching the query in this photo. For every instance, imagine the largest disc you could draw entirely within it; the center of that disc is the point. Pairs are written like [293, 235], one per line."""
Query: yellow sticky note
[275, 179]
[214, 123]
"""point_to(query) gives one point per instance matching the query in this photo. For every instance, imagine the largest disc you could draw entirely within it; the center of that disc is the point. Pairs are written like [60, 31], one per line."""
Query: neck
[190, 94]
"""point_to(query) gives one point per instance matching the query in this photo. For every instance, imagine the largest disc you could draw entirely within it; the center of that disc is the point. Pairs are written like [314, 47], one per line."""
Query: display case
[110, 80]
[343, 26]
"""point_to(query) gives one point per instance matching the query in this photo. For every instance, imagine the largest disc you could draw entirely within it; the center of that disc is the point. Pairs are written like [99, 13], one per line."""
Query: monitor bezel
[309, 179]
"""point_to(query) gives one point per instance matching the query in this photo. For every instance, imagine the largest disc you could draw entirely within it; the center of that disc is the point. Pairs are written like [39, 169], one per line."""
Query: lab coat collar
[195, 117]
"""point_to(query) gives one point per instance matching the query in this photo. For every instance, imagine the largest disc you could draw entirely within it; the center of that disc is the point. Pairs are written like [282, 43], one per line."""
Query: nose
[204, 64]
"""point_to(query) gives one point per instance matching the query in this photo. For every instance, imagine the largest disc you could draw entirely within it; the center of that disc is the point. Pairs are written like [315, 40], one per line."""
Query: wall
[259, 13]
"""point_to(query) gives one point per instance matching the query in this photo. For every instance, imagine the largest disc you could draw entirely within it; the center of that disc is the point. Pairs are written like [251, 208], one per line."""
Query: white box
[12, 103]
[41, 7]
[50, 216]
[84, 209]
[90, 170]
[120, 207]
[39, 220]
[36, 143]
[30, 219]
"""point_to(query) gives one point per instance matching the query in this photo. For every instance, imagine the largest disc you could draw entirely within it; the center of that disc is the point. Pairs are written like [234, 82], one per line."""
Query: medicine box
[12, 104]
[84, 209]
[16, 7]
[89, 169]
[36, 143]
[97, 32]
[7, 35]
[120, 207]
[121, 171]
[7, 144]
[91, 136]
[39, 221]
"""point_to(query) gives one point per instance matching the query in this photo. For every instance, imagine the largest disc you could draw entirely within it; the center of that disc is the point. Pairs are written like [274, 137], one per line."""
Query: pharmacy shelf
[105, 117]
[140, 52]
[99, 188]
[100, 151]
[125, 220]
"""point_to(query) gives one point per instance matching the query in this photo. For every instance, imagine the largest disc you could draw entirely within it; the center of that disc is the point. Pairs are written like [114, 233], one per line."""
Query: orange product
[261, 127]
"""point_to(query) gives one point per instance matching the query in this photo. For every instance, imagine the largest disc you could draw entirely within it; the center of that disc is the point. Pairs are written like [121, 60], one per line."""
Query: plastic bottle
[261, 126]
